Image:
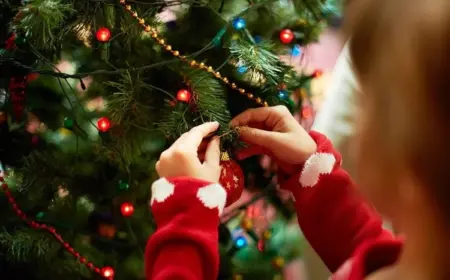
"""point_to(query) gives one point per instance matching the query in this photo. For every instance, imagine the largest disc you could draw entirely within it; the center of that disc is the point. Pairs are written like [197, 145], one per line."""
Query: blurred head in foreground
[401, 55]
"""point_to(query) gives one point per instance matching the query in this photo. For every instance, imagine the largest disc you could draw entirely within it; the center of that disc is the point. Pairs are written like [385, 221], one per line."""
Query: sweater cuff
[186, 211]
[322, 163]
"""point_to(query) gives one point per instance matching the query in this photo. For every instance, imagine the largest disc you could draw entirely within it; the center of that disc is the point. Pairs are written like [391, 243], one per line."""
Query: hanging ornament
[184, 95]
[231, 178]
[103, 35]
[107, 272]
[239, 23]
[127, 209]
[103, 124]
[286, 36]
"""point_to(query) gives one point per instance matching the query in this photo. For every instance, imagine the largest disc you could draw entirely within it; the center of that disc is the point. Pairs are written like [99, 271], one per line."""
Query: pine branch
[41, 20]
[27, 246]
[258, 58]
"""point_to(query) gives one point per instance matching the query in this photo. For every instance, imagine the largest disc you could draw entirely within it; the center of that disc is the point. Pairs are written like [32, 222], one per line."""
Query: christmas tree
[91, 92]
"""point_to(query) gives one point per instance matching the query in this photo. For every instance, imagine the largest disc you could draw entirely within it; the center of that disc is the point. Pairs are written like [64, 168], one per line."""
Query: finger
[179, 141]
[157, 166]
[257, 115]
[195, 137]
[212, 154]
[263, 138]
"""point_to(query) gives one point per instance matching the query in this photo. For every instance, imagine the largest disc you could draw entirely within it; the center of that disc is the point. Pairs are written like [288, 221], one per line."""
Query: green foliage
[27, 246]
[260, 58]
[69, 178]
[41, 20]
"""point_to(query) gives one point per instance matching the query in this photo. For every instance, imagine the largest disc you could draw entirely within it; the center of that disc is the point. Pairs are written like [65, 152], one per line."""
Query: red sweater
[343, 229]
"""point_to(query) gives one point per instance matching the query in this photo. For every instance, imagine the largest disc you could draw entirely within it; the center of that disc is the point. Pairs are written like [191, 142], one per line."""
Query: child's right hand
[274, 131]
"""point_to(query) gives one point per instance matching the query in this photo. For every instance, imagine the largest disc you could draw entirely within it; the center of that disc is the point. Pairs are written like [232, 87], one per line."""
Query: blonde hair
[401, 54]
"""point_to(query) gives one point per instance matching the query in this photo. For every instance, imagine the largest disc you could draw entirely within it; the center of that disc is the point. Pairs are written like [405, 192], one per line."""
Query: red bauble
[232, 179]
[127, 209]
[184, 95]
[107, 272]
[103, 35]
[103, 124]
[287, 36]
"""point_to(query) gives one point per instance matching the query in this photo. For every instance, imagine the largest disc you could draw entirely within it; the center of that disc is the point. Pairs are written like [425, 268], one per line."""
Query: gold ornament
[224, 156]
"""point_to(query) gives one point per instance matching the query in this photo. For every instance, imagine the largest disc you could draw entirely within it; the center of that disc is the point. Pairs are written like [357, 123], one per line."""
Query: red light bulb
[286, 36]
[317, 74]
[103, 35]
[184, 95]
[107, 272]
[103, 124]
[127, 209]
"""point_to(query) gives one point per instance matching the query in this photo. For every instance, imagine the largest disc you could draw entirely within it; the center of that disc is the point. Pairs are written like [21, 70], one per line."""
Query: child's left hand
[181, 159]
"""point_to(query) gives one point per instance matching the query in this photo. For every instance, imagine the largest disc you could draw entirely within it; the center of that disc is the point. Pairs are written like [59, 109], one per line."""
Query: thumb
[212, 154]
[262, 138]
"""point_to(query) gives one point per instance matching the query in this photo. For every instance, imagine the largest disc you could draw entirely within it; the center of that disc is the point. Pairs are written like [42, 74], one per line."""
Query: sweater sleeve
[332, 215]
[185, 244]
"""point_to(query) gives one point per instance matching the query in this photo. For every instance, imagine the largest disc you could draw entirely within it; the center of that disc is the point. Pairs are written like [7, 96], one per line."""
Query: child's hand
[274, 131]
[181, 159]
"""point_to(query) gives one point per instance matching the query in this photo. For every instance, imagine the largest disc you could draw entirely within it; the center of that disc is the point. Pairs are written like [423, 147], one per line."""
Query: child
[401, 54]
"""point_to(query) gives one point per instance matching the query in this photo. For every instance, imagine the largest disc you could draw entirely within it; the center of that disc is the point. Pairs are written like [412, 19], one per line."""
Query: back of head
[401, 54]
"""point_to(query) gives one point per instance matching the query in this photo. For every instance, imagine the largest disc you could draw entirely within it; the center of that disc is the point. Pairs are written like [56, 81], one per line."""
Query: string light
[240, 242]
[239, 23]
[296, 50]
[103, 35]
[286, 36]
[103, 124]
[282, 94]
[107, 272]
[123, 185]
[184, 95]
[127, 209]
[33, 224]
[242, 69]
[317, 74]
[192, 63]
